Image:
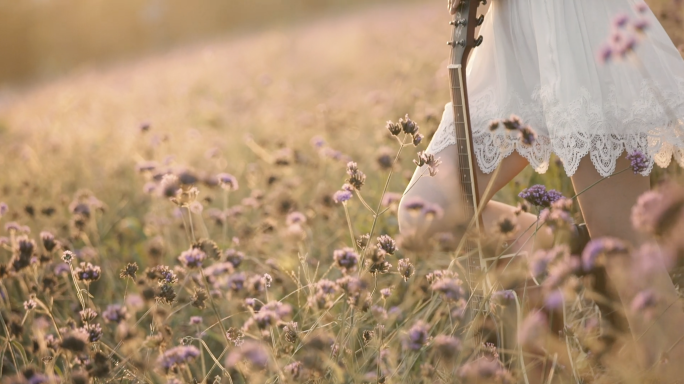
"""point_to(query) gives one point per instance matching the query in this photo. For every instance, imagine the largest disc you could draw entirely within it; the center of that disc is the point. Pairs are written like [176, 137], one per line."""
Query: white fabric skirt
[539, 62]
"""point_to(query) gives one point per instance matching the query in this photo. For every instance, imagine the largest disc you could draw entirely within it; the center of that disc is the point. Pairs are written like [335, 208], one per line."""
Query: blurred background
[44, 38]
[41, 39]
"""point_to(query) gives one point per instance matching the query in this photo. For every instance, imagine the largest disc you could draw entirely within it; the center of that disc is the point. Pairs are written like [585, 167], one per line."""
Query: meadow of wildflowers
[227, 214]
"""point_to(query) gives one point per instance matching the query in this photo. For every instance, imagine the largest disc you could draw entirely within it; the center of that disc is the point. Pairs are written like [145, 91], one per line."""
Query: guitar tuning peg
[479, 41]
[480, 20]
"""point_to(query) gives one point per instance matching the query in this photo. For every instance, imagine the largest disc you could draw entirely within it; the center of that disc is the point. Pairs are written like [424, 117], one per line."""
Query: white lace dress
[539, 62]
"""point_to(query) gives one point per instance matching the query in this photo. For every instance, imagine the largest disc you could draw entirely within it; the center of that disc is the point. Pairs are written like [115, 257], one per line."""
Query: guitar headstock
[464, 22]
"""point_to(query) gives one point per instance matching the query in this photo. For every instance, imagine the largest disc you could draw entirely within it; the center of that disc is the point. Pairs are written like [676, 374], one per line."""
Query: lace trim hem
[647, 126]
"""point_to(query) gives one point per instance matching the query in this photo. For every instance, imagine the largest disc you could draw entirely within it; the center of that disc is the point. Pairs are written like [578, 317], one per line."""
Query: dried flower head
[507, 225]
[235, 336]
[48, 240]
[30, 305]
[417, 139]
[393, 128]
[408, 126]
[356, 177]
[387, 244]
[87, 272]
[428, 159]
[406, 269]
[130, 271]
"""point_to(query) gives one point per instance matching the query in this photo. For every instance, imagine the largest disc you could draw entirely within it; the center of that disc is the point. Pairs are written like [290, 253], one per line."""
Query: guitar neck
[467, 179]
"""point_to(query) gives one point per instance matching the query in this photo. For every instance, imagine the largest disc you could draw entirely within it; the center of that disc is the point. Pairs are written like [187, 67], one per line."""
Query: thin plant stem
[213, 306]
[349, 224]
[192, 229]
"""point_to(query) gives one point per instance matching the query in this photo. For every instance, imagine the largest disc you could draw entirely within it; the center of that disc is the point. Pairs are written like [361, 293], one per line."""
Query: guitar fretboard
[468, 201]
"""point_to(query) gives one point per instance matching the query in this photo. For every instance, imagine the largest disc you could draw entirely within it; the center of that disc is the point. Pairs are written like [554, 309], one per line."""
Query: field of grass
[84, 160]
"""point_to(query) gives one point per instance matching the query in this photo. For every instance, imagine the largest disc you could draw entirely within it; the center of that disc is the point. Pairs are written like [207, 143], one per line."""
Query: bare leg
[606, 208]
[444, 189]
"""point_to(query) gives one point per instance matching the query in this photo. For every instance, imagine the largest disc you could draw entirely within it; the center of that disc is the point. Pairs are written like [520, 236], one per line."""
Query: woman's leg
[607, 208]
[443, 189]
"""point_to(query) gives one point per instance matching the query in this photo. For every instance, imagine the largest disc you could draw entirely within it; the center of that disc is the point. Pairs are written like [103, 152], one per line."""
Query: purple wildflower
[295, 218]
[644, 302]
[604, 53]
[346, 259]
[341, 196]
[417, 336]
[252, 351]
[527, 135]
[391, 198]
[317, 142]
[414, 204]
[227, 181]
[598, 247]
[502, 298]
[177, 356]
[638, 161]
[195, 320]
[484, 370]
[450, 287]
[94, 331]
[433, 211]
[620, 20]
[417, 138]
[192, 258]
[3, 209]
[641, 24]
[641, 8]
[558, 216]
[234, 257]
[532, 328]
[538, 195]
[554, 300]
[658, 212]
[447, 347]
[115, 313]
